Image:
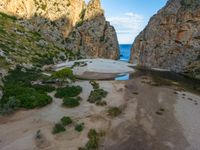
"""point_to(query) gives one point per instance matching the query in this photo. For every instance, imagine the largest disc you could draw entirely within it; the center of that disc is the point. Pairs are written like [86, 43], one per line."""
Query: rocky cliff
[58, 21]
[171, 39]
[93, 35]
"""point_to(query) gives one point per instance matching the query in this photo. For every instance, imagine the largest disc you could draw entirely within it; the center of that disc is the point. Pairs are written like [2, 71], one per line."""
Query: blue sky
[129, 17]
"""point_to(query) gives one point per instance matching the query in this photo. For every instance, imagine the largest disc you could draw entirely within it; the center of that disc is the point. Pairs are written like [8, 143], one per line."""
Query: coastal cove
[67, 82]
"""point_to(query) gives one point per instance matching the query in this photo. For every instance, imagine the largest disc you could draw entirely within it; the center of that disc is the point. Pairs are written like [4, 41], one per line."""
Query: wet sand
[153, 118]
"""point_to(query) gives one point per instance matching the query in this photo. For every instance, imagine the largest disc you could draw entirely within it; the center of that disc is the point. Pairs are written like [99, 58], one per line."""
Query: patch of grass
[58, 128]
[97, 95]
[114, 111]
[71, 102]
[68, 91]
[66, 121]
[79, 127]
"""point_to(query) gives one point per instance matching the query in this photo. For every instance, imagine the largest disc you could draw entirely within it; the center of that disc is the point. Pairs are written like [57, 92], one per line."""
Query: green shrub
[22, 76]
[44, 88]
[33, 99]
[11, 105]
[58, 128]
[114, 111]
[93, 142]
[94, 84]
[68, 91]
[64, 74]
[97, 95]
[66, 121]
[79, 127]
[71, 102]
[18, 85]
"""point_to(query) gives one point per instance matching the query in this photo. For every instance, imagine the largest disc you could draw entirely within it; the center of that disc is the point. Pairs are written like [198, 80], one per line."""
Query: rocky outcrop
[54, 19]
[93, 36]
[57, 20]
[171, 40]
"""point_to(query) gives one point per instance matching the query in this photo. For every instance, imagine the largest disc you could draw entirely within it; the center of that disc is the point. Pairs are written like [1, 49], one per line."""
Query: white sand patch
[98, 66]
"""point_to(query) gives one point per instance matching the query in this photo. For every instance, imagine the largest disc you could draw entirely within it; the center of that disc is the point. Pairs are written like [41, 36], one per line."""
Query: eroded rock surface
[88, 31]
[171, 40]
[93, 36]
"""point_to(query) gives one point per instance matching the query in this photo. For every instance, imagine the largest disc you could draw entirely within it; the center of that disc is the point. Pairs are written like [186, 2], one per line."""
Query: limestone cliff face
[54, 19]
[57, 19]
[93, 36]
[171, 40]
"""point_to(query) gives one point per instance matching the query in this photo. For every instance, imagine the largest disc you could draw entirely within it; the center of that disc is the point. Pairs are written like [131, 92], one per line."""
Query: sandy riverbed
[139, 127]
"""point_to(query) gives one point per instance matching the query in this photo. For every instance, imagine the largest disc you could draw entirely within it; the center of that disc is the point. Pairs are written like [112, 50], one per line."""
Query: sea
[125, 52]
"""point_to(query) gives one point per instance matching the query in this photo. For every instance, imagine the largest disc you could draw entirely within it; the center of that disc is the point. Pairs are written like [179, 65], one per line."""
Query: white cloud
[127, 26]
[130, 14]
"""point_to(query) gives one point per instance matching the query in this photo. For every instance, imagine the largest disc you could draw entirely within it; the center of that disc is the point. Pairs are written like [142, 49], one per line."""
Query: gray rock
[68, 24]
[171, 39]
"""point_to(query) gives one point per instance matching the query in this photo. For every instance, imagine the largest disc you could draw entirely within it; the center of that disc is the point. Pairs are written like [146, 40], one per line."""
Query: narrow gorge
[71, 80]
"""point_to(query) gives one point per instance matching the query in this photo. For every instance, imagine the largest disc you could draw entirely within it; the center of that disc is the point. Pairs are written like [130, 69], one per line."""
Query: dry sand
[98, 68]
[153, 118]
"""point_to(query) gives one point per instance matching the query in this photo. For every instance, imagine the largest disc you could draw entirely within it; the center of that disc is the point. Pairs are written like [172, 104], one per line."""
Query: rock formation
[171, 40]
[93, 35]
[57, 20]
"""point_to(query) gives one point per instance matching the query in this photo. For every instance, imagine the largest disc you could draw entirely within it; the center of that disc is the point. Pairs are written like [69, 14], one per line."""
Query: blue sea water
[125, 52]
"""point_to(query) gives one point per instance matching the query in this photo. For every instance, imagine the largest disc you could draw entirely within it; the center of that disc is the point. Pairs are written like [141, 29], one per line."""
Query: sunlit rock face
[93, 36]
[57, 20]
[171, 40]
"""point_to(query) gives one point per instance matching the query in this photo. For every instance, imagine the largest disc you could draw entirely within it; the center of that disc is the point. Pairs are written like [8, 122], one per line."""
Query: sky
[129, 17]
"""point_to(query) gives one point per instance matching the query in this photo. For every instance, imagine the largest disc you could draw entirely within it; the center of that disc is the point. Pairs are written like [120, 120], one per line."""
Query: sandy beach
[97, 68]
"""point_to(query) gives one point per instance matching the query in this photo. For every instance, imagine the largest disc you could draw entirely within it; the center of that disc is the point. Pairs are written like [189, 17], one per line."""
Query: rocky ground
[153, 117]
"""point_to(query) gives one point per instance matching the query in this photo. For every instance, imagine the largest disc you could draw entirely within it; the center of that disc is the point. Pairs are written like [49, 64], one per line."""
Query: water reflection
[123, 77]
